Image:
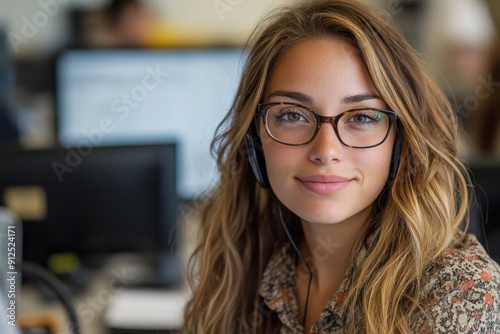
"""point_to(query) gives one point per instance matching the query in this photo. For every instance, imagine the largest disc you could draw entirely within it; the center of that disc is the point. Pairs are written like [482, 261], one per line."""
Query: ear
[255, 154]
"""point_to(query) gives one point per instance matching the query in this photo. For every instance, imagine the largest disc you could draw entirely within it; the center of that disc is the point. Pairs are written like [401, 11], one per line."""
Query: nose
[326, 147]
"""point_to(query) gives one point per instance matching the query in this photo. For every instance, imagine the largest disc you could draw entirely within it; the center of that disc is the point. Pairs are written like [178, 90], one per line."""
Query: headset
[255, 153]
[257, 162]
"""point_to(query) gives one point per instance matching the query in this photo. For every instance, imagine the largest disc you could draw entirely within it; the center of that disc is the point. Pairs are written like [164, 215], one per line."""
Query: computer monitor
[149, 96]
[486, 211]
[92, 201]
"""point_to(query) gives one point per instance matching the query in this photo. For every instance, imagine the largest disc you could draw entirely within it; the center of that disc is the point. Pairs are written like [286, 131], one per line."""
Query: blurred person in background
[132, 24]
[484, 127]
[458, 39]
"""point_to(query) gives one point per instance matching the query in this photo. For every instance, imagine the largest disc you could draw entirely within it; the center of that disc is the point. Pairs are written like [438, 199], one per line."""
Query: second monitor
[93, 202]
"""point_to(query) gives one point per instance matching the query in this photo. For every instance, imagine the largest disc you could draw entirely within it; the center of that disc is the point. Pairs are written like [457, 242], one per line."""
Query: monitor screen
[145, 96]
[486, 211]
[92, 202]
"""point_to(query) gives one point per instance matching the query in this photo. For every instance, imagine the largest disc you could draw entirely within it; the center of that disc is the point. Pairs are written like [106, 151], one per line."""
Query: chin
[329, 214]
[322, 216]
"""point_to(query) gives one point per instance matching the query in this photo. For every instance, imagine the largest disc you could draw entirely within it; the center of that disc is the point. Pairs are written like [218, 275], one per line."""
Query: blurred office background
[82, 81]
[458, 39]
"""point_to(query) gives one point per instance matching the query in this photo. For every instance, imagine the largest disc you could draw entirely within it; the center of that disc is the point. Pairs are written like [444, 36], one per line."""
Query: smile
[324, 185]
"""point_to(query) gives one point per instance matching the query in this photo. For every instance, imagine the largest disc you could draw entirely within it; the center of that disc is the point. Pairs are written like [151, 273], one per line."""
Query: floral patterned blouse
[462, 293]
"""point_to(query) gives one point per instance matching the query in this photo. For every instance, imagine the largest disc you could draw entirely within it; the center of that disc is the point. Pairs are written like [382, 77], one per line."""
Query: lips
[324, 184]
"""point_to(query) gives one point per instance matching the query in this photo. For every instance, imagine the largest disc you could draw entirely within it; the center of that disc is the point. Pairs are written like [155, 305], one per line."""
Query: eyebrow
[359, 98]
[349, 99]
[293, 95]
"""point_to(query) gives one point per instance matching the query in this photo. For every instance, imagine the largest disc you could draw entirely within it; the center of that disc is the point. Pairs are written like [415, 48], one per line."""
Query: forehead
[319, 67]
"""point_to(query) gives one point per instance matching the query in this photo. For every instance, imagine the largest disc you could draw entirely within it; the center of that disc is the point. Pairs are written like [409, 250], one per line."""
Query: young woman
[342, 203]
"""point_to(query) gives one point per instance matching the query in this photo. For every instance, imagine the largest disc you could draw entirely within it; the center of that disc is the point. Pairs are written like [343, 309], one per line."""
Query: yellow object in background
[28, 202]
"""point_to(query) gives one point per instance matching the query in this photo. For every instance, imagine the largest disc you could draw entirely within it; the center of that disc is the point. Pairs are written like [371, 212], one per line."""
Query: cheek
[381, 156]
[280, 160]
[375, 164]
[277, 157]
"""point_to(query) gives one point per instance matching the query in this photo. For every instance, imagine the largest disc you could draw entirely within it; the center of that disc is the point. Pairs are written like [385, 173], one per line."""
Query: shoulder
[470, 262]
[461, 292]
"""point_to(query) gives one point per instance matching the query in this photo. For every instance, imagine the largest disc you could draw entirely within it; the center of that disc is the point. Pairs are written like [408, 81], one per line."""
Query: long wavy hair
[421, 215]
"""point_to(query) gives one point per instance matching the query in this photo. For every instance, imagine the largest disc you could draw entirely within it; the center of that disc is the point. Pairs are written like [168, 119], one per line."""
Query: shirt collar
[278, 287]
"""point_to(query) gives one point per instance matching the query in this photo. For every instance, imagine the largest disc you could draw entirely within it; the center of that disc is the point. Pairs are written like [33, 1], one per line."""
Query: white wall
[230, 20]
[37, 26]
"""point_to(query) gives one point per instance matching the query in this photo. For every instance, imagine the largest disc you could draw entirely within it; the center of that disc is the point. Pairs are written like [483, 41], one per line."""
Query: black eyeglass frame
[262, 109]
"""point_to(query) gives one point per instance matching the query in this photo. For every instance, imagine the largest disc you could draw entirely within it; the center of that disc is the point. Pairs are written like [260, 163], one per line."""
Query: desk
[110, 301]
[146, 310]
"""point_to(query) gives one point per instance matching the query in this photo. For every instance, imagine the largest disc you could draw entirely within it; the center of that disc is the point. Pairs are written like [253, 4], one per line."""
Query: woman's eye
[366, 118]
[291, 116]
[362, 119]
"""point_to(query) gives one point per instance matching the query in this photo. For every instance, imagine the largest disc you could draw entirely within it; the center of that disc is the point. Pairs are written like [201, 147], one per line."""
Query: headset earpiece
[396, 153]
[255, 155]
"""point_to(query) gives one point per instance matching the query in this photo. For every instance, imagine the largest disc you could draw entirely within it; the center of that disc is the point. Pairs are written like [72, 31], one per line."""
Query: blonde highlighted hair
[422, 214]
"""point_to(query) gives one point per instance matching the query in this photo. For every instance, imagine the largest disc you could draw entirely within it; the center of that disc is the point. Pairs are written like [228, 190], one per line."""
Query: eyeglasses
[294, 124]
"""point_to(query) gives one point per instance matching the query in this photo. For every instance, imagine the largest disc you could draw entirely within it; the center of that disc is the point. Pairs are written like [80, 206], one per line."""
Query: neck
[328, 250]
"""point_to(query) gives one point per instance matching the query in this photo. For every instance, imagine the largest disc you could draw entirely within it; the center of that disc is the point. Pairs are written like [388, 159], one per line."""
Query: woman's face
[325, 181]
